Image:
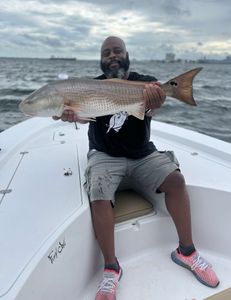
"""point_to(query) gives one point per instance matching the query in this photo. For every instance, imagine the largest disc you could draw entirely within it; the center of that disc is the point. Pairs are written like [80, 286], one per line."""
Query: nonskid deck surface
[153, 276]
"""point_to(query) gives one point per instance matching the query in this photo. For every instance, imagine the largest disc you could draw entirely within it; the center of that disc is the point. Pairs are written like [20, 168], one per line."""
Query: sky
[191, 29]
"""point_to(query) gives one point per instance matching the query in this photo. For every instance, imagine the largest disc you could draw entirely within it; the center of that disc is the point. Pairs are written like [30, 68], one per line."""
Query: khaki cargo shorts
[106, 174]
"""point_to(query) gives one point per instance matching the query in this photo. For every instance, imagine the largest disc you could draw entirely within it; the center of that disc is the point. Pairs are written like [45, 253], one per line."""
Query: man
[120, 143]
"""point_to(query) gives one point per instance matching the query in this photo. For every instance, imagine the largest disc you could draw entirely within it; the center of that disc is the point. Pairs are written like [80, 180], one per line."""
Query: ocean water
[212, 90]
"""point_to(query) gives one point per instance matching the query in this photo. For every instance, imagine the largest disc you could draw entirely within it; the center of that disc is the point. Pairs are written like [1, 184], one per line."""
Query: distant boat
[62, 58]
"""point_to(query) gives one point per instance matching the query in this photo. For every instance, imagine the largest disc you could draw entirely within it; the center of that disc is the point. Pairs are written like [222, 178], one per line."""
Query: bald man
[121, 154]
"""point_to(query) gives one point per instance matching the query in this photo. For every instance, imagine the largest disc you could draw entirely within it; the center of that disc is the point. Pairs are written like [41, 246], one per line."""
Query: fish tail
[181, 87]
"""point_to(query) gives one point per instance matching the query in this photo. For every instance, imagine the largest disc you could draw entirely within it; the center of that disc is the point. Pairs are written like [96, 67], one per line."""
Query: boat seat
[129, 205]
[224, 295]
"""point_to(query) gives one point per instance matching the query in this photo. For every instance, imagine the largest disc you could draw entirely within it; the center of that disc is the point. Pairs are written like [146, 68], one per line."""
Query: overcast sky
[189, 28]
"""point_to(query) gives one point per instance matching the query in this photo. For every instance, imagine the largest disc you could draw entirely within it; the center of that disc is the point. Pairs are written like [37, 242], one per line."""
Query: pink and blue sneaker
[198, 266]
[108, 286]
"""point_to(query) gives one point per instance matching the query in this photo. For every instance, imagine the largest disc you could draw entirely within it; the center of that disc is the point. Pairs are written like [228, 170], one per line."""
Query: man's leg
[103, 176]
[160, 172]
[103, 222]
[177, 203]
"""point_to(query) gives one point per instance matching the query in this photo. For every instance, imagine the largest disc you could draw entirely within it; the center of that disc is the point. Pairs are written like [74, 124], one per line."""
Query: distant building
[204, 60]
[170, 57]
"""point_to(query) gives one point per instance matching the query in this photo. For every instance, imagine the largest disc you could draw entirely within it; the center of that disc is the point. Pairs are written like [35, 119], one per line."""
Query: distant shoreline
[62, 58]
[182, 61]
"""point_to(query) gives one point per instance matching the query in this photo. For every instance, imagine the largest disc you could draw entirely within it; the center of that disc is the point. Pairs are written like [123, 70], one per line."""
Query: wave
[212, 91]
[15, 92]
[9, 105]
[214, 87]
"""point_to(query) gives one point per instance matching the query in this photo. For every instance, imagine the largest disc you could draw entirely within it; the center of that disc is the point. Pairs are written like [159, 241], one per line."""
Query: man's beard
[119, 72]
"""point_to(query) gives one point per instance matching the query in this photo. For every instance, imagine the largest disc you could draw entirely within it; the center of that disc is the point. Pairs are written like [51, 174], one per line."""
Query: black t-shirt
[131, 141]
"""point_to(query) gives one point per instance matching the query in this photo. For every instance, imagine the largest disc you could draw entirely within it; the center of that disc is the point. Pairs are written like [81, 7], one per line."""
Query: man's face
[114, 59]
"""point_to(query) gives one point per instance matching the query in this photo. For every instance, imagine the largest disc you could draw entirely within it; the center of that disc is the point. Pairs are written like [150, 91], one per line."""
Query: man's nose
[112, 54]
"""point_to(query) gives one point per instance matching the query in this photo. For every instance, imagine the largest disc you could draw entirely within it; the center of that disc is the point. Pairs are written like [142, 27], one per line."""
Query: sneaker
[108, 285]
[198, 266]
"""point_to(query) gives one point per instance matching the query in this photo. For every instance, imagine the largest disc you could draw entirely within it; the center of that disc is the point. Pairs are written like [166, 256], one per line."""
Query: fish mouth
[29, 114]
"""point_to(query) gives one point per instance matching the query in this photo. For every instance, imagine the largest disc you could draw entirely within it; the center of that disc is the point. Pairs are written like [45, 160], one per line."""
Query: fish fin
[116, 80]
[181, 87]
[70, 107]
[139, 112]
[127, 82]
[74, 108]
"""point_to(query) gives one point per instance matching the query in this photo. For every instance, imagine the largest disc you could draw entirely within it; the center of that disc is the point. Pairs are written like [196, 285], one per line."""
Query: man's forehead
[113, 42]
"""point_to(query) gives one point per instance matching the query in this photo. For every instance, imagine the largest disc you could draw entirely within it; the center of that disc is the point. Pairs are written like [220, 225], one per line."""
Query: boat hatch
[45, 192]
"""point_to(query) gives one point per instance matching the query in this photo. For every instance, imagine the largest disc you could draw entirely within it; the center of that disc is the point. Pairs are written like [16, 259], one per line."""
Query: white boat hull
[48, 248]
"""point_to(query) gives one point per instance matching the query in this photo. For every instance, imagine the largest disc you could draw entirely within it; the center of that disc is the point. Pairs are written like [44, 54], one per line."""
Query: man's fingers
[154, 95]
[162, 94]
[67, 116]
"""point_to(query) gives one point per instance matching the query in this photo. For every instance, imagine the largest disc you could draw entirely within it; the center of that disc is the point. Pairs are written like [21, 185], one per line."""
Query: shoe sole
[182, 264]
[121, 273]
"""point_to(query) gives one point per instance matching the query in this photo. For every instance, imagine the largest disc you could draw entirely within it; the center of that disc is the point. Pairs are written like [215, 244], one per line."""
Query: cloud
[150, 28]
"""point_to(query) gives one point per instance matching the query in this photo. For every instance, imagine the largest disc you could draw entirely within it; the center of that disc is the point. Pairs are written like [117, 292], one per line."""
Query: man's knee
[174, 181]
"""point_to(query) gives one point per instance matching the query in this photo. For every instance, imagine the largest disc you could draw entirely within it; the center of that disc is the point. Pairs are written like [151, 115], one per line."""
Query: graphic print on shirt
[117, 120]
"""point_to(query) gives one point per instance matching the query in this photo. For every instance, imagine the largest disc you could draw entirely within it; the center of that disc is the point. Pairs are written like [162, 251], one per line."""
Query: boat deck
[53, 210]
[152, 275]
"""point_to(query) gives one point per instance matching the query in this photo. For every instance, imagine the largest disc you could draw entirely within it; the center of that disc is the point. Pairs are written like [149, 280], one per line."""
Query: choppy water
[212, 90]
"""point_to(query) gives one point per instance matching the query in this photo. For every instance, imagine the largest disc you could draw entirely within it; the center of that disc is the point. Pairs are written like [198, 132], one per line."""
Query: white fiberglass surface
[153, 275]
[42, 197]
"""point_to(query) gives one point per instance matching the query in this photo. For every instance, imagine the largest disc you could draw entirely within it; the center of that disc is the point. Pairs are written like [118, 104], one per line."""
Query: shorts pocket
[172, 157]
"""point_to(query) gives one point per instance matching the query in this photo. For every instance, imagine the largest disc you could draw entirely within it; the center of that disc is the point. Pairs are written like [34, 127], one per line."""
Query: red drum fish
[91, 98]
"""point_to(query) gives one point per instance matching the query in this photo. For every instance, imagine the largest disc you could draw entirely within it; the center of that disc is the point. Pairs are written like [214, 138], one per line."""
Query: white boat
[48, 249]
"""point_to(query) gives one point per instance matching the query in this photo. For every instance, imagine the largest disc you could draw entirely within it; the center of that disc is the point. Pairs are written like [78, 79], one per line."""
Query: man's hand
[70, 116]
[153, 95]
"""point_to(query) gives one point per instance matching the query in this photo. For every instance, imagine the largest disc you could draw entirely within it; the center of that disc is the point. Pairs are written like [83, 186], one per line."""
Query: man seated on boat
[120, 149]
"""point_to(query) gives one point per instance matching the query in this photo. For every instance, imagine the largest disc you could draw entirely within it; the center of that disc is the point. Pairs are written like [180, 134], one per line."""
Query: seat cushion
[224, 295]
[129, 205]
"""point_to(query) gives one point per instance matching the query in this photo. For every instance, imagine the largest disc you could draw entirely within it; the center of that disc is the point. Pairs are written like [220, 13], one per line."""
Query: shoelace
[200, 262]
[107, 284]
